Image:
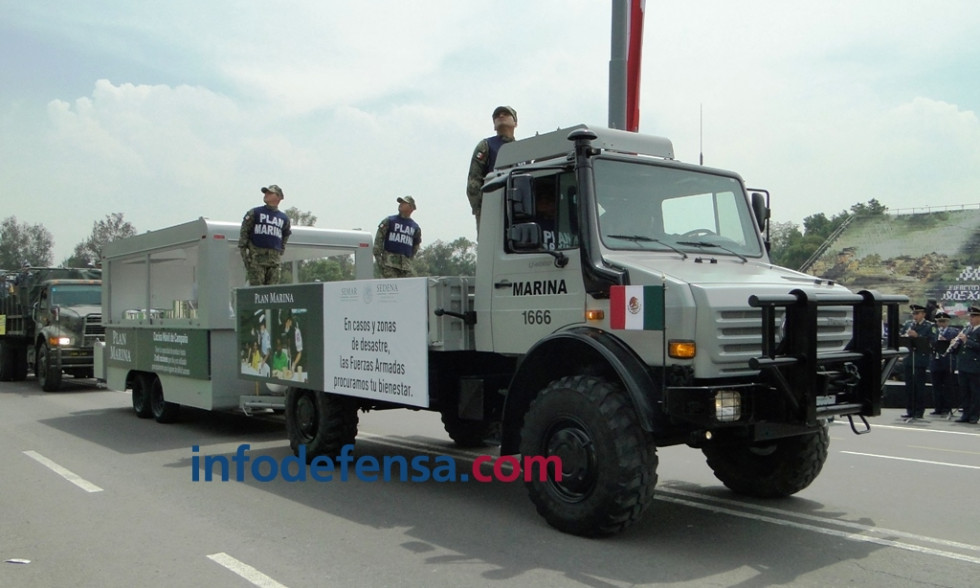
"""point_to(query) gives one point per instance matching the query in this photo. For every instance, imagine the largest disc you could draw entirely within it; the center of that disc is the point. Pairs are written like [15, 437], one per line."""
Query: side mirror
[525, 237]
[520, 197]
[760, 206]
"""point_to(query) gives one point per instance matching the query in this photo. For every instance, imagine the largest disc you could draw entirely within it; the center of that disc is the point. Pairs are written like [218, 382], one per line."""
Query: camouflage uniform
[262, 264]
[481, 164]
[392, 264]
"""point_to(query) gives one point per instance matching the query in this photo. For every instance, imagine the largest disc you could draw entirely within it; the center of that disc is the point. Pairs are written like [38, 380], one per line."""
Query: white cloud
[192, 107]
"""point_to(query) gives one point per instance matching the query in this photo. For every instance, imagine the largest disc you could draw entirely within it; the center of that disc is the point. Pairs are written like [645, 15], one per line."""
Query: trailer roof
[203, 229]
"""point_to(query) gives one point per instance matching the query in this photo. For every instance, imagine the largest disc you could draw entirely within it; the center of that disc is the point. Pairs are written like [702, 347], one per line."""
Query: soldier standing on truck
[485, 157]
[265, 231]
[397, 241]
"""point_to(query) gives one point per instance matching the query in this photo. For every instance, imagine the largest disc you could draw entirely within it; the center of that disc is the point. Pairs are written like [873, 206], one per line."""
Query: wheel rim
[306, 417]
[570, 441]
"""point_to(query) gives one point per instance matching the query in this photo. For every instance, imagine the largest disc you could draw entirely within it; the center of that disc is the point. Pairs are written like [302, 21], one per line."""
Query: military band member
[921, 334]
[968, 363]
[943, 366]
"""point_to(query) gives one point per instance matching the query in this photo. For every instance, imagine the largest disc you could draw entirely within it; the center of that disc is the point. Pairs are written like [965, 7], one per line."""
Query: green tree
[20, 242]
[457, 258]
[871, 208]
[105, 231]
[300, 218]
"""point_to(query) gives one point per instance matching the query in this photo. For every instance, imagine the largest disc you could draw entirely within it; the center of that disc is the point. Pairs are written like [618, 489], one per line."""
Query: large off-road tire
[323, 422]
[142, 384]
[469, 433]
[608, 462]
[48, 374]
[162, 410]
[769, 470]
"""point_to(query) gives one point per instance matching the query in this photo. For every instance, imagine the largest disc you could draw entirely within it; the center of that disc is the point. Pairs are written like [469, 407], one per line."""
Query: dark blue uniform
[916, 365]
[943, 370]
[968, 362]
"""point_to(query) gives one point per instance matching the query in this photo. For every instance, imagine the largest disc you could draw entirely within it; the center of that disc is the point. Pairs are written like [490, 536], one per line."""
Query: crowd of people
[949, 356]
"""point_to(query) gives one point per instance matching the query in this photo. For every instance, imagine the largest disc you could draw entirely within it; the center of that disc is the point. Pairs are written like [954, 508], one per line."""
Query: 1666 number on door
[536, 317]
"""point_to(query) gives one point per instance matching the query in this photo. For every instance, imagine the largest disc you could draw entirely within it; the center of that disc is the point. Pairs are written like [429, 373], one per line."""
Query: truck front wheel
[769, 470]
[323, 422]
[47, 372]
[608, 462]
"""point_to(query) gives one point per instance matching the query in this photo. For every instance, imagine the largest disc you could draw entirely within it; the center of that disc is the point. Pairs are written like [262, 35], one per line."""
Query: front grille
[93, 329]
[740, 333]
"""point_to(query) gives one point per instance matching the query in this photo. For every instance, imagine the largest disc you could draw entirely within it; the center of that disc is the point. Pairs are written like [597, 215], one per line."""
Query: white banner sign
[375, 340]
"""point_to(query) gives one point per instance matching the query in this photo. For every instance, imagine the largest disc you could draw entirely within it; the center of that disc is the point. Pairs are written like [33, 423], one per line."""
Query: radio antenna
[701, 132]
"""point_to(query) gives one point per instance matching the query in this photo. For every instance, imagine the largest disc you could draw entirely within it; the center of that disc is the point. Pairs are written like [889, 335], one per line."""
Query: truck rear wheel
[769, 470]
[163, 411]
[8, 355]
[608, 462]
[468, 433]
[321, 421]
[141, 396]
[48, 374]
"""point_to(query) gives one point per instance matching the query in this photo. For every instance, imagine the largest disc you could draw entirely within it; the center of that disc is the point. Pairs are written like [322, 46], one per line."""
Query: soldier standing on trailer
[265, 231]
[397, 241]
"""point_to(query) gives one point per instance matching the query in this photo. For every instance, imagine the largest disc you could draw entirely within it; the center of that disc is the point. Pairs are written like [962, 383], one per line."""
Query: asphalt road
[92, 496]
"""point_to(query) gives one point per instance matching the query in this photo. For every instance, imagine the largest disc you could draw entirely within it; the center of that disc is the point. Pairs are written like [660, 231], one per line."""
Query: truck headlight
[728, 406]
[59, 341]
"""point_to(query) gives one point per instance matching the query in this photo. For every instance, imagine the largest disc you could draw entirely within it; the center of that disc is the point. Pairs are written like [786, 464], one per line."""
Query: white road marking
[930, 462]
[244, 570]
[63, 472]
[861, 533]
[823, 520]
[821, 530]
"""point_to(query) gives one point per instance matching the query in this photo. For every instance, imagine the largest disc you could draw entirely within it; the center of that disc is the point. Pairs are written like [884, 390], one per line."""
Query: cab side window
[554, 212]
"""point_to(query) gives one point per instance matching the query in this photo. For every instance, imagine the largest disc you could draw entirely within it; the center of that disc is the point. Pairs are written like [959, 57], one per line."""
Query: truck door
[532, 297]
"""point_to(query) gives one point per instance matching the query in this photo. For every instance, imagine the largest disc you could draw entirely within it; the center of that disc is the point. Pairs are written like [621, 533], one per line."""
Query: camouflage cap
[407, 200]
[274, 189]
[506, 109]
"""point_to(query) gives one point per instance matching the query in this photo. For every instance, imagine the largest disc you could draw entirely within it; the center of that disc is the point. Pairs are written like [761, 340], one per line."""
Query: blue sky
[167, 111]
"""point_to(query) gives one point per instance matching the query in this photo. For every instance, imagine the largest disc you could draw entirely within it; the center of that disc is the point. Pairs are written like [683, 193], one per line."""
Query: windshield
[654, 207]
[76, 295]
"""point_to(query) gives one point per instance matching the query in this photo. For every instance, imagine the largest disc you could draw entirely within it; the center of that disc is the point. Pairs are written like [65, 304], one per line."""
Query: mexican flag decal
[638, 308]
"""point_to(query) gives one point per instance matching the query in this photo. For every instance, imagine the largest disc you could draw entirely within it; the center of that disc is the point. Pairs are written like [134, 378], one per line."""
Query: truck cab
[623, 301]
[51, 322]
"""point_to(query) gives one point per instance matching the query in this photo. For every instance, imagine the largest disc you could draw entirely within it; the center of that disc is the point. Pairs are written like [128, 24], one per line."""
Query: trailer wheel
[48, 375]
[163, 411]
[468, 433]
[321, 421]
[769, 470]
[141, 396]
[608, 462]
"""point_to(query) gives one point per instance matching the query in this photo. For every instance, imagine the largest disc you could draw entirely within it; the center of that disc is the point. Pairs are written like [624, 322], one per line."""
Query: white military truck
[169, 316]
[623, 301]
